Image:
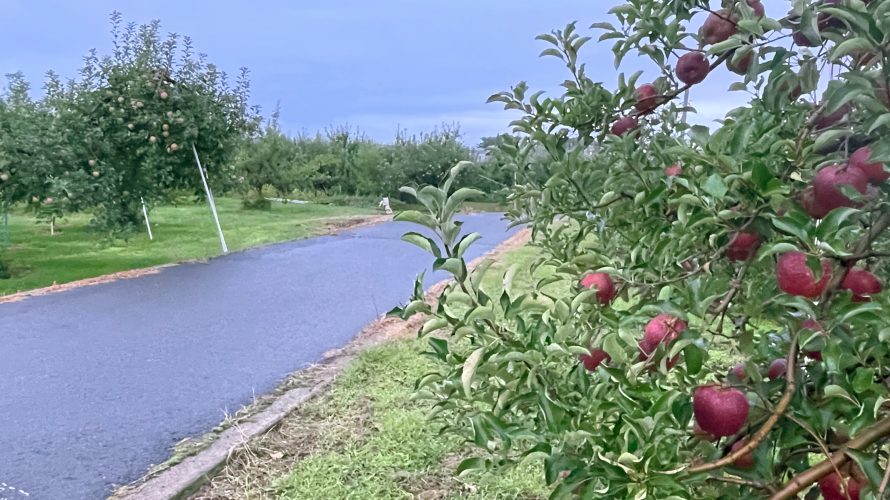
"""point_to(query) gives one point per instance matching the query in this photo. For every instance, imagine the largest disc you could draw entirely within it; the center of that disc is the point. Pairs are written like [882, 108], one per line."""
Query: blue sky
[377, 65]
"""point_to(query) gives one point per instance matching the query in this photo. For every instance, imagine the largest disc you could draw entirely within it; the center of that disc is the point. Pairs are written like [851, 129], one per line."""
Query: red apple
[810, 205]
[802, 40]
[719, 410]
[662, 329]
[674, 170]
[605, 287]
[796, 278]
[647, 98]
[594, 359]
[745, 461]
[718, 27]
[743, 246]
[692, 68]
[759, 11]
[700, 434]
[741, 66]
[826, 120]
[738, 372]
[624, 125]
[777, 369]
[875, 172]
[832, 488]
[826, 20]
[862, 283]
[827, 181]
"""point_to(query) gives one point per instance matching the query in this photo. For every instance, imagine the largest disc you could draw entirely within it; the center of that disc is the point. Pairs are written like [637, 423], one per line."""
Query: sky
[379, 66]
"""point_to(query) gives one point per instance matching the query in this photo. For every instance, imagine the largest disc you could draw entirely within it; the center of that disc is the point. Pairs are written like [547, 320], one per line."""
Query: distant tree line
[342, 161]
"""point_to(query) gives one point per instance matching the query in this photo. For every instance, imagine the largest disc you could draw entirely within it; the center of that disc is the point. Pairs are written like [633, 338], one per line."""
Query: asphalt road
[98, 383]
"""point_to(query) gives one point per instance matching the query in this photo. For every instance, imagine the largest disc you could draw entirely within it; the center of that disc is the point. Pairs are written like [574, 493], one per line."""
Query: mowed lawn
[181, 232]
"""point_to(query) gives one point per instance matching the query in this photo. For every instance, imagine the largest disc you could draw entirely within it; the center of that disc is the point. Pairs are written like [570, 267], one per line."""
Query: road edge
[183, 479]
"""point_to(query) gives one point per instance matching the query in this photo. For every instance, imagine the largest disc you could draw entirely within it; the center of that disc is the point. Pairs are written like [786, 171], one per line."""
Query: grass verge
[182, 232]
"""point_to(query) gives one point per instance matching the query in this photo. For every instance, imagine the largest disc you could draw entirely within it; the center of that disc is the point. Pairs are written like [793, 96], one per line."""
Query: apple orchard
[708, 317]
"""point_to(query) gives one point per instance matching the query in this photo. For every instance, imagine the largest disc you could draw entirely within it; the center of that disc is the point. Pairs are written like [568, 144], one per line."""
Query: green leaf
[613, 348]
[809, 26]
[778, 248]
[715, 187]
[700, 134]
[836, 391]
[850, 46]
[452, 265]
[863, 379]
[552, 52]
[881, 121]
[416, 217]
[860, 308]
[471, 464]
[761, 176]
[833, 221]
[440, 348]
[726, 45]
[423, 242]
[457, 199]
[465, 243]
[694, 359]
[433, 324]
[469, 370]
[431, 197]
[829, 137]
[791, 226]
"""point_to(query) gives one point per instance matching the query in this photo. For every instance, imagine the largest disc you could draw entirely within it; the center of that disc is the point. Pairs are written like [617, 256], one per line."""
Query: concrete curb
[186, 477]
[183, 479]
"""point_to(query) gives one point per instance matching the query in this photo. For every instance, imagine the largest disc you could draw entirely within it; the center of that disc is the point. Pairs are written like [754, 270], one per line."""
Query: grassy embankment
[182, 232]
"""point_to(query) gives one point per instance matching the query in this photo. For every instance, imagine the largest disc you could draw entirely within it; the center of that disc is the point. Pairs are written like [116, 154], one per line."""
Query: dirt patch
[255, 458]
[336, 225]
[333, 225]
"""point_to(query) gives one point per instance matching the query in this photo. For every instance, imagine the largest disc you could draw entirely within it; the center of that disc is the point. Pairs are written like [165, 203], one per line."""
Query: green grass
[181, 232]
[376, 442]
[379, 444]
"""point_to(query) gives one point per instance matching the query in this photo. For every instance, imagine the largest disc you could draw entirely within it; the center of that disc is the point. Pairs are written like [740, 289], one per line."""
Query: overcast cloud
[379, 66]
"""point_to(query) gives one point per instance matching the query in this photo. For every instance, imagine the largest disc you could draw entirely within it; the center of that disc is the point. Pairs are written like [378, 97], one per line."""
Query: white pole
[222, 239]
[52, 226]
[147, 223]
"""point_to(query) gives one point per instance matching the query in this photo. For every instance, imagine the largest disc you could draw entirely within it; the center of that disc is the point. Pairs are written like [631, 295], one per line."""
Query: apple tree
[708, 318]
[36, 167]
[135, 116]
[269, 159]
